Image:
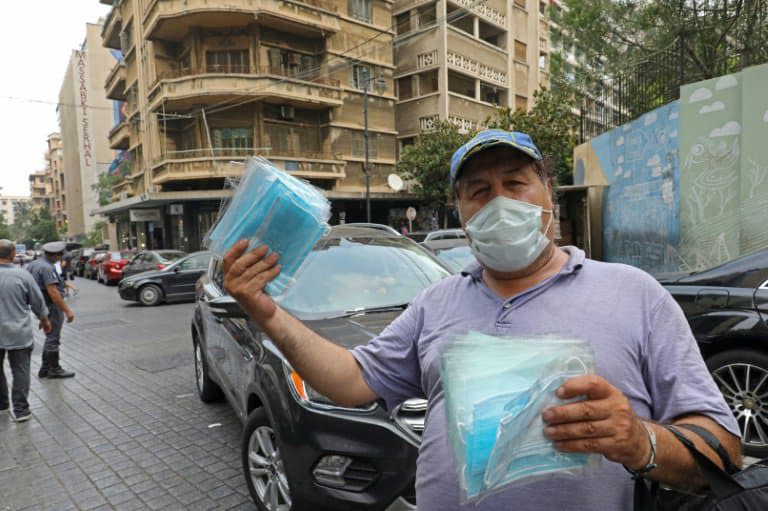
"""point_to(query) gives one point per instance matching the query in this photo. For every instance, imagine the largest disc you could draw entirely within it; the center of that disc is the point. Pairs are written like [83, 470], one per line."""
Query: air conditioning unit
[287, 112]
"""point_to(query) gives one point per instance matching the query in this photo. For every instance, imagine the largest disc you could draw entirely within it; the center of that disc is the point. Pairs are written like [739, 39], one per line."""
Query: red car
[111, 267]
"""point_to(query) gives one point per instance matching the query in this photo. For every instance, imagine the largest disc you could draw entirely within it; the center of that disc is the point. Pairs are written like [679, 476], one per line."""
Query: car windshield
[117, 256]
[170, 256]
[361, 273]
[457, 258]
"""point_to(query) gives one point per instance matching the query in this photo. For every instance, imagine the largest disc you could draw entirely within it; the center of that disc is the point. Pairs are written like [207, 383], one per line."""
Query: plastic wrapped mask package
[495, 391]
[273, 208]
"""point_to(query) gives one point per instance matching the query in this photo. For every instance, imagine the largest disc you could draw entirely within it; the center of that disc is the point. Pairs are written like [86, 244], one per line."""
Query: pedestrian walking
[66, 266]
[51, 285]
[18, 295]
[649, 370]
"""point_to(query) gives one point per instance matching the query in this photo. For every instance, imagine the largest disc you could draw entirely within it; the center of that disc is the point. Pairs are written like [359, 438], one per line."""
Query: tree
[23, 220]
[428, 162]
[95, 237]
[5, 231]
[552, 125]
[44, 227]
[104, 185]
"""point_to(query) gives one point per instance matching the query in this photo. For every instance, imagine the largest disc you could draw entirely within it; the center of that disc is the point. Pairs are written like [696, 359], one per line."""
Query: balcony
[110, 34]
[171, 20]
[120, 136]
[123, 189]
[115, 83]
[182, 90]
[206, 164]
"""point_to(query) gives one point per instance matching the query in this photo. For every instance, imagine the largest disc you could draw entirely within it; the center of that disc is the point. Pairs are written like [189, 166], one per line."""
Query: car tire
[742, 376]
[150, 294]
[263, 466]
[207, 389]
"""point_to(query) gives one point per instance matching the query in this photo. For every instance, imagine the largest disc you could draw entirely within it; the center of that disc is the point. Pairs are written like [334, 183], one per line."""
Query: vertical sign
[82, 87]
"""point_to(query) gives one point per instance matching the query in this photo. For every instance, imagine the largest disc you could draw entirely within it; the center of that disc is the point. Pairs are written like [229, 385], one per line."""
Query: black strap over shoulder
[720, 482]
[714, 444]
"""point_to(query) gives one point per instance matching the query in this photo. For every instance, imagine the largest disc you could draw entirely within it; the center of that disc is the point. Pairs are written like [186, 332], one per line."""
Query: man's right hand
[45, 325]
[70, 315]
[246, 274]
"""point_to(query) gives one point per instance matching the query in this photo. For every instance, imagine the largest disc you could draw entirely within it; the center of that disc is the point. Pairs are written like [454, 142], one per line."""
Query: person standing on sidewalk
[18, 294]
[52, 286]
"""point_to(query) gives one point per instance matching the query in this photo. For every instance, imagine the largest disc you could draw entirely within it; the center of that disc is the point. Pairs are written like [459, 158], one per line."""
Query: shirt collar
[576, 258]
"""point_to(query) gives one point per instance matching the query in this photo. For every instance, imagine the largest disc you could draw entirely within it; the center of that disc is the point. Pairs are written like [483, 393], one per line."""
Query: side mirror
[226, 307]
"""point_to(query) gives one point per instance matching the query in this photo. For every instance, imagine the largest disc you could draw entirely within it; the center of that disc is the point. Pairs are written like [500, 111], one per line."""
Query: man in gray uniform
[18, 294]
[50, 283]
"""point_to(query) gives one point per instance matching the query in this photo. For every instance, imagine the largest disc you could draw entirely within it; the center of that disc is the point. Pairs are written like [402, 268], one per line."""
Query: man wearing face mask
[649, 369]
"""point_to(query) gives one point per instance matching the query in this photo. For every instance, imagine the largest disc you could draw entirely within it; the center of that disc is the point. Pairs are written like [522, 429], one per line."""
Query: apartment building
[9, 204]
[40, 190]
[458, 60]
[54, 167]
[206, 84]
[85, 117]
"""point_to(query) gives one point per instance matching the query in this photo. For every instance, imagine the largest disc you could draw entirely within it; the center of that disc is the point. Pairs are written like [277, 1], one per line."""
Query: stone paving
[128, 432]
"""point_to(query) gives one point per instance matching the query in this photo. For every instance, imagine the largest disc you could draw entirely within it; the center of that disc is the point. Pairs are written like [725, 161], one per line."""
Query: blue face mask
[506, 236]
[273, 208]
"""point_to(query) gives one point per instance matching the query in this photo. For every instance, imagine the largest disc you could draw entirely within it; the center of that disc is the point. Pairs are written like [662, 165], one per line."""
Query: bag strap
[714, 444]
[720, 482]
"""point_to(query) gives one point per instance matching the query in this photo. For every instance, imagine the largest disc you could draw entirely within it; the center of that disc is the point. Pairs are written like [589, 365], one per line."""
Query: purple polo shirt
[642, 343]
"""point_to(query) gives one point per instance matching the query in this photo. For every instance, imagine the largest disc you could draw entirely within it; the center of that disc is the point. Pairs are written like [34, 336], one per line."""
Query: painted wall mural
[687, 184]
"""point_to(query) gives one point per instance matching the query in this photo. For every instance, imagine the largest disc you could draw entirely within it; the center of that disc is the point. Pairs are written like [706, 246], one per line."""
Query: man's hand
[45, 325]
[70, 315]
[245, 276]
[604, 423]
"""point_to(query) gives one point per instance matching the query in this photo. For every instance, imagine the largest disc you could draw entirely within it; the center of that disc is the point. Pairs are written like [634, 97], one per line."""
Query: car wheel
[150, 294]
[263, 464]
[742, 376]
[208, 391]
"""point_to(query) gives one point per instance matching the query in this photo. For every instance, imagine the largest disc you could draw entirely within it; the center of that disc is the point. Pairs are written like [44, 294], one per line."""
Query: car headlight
[127, 283]
[307, 395]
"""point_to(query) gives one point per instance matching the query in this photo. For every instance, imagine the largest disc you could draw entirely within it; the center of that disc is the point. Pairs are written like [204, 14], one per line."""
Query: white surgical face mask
[505, 235]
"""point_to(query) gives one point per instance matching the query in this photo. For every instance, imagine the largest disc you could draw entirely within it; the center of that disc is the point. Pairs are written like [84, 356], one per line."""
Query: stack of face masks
[495, 392]
[273, 208]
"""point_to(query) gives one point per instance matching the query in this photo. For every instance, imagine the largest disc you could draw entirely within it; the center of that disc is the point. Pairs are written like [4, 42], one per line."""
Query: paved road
[128, 432]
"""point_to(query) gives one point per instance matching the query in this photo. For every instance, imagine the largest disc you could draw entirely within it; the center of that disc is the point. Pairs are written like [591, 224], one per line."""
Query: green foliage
[44, 227]
[104, 186]
[95, 237]
[428, 163]
[5, 230]
[552, 125]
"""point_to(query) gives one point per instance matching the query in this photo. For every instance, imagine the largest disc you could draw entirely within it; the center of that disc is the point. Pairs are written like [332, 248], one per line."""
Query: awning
[154, 199]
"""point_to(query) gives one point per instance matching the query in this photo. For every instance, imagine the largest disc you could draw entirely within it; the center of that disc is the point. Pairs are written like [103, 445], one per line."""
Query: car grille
[409, 416]
[360, 475]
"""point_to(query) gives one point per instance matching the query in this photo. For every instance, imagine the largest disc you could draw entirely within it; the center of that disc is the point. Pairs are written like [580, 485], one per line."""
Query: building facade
[458, 60]
[204, 85]
[40, 190]
[9, 205]
[85, 116]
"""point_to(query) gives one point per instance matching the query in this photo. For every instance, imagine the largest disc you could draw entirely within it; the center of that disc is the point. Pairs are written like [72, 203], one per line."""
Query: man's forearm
[57, 299]
[328, 368]
[676, 467]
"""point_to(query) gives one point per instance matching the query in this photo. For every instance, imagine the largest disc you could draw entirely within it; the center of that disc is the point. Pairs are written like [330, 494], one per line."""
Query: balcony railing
[303, 75]
[240, 153]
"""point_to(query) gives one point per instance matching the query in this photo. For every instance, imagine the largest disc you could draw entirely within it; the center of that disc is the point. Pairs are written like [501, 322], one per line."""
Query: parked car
[454, 252]
[299, 448]
[418, 236]
[175, 282]
[80, 259]
[150, 260]
[91, 269]
[727, 308]
[445, 234]
[110, 268]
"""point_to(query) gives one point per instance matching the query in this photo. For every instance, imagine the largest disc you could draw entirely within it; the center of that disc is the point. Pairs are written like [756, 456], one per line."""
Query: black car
[173, 283]
[150, 260]
[727, 308]
[299, 449]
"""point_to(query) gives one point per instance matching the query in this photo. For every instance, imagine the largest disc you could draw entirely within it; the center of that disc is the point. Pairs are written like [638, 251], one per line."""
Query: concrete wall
[686, 184]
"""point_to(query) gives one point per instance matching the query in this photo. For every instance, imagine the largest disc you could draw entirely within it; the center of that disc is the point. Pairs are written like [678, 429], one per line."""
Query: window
[358, 145]
[405, 87]
[228, 61]
[290, 63]
[360, 76]
[521, 51]
[199, 262]
[543, 8]
[520, 3]
[185, 64]
[403, 23]
[542, 61]
[521, 103]
[361, 10]
[428, 82]
[231, 140]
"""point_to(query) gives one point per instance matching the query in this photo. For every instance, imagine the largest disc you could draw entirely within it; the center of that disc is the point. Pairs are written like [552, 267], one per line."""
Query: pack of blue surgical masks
[495, 392]
[273, 208]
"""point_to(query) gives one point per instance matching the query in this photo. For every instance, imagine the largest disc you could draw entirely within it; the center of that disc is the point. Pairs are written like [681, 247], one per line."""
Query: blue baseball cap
[490, 138]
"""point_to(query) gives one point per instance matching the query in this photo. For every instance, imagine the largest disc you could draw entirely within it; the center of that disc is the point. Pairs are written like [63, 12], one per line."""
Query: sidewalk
[128, 432]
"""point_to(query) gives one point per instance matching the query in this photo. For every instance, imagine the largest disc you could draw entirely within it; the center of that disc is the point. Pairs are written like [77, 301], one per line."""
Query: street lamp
[381, 86]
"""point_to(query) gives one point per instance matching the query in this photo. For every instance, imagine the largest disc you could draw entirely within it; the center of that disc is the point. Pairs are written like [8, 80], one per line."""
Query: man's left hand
[602, 423]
